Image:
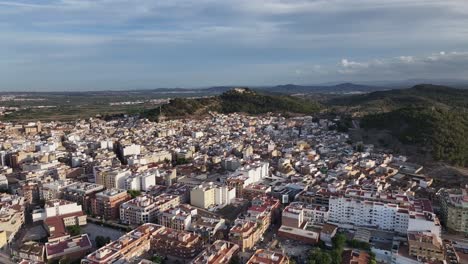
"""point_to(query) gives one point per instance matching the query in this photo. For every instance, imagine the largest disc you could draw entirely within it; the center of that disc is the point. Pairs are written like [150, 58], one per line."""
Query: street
[5, 259]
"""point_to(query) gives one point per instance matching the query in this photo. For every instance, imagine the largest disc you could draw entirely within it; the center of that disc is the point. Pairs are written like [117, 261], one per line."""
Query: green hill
[443, 132]
[434, 118]
[235, 100]
[423, 95]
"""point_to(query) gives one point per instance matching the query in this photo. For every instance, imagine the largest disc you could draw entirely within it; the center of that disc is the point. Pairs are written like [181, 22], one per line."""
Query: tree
[157, 259]
[360, 147]
[358, 244]
[339, 241]
[235, 259]
[318, 256]
[101, 241]
[372, 258]
[181, 161]
[134, 193]
[336, 256]
[74, 230]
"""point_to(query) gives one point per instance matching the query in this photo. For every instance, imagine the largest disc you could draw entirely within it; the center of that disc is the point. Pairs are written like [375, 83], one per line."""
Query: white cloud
[436, 65]
[284, 33]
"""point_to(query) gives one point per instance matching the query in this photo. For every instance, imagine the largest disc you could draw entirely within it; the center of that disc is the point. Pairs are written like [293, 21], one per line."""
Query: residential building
[139, 210]
[245, 234]
[73, 248]
[176, 218]
[32, 251]
[294, 225]
[111, 178]
[220, 252]
[181, 244]
[145, 208]
[11, 214]
[425, 246]
[141, 181]
[454, 208]
[386, 214]
[262, 256]
[327, 233]
[107, 203]
[206, 196]
[207, 226]
[132, 244]
[82, 193]
[54, 208]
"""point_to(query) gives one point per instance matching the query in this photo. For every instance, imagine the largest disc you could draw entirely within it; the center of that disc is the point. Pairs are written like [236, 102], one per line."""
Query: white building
[130, 150]
[353, 212]
[56, 208]
[111, 178]
[3, 182]
[142, 209]
[252, 173]
[208, 195]
[106, 144]
[197, 134]
[142, 181]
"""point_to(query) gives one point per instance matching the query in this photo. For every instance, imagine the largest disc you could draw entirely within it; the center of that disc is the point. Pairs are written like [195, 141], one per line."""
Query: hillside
[235, 100]
[419, 95]
[434, 118]
[442, 132]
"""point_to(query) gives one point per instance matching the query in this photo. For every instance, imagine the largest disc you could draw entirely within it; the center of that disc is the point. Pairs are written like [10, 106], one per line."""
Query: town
[225, 188]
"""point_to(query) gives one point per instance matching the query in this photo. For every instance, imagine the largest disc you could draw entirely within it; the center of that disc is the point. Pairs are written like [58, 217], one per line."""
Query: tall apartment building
[107, 203]
[111, 177]
[205, 196]
[220, 252]
[454, 208]
[393, 213]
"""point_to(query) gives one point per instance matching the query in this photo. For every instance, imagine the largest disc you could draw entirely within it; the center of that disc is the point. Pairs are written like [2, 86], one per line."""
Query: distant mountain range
[325, 88]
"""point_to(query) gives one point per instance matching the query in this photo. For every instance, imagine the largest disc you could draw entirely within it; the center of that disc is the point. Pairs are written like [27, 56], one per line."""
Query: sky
[71, 45]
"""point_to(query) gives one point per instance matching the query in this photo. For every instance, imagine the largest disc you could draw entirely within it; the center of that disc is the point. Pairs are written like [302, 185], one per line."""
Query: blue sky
[128, 44]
